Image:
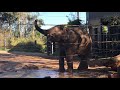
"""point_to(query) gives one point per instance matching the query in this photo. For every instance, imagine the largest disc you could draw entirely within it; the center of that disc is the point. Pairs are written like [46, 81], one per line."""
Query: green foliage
[8, 17]
[2, 48]
[75, 22]
[113, 20]
[105, 29]
[22, 35]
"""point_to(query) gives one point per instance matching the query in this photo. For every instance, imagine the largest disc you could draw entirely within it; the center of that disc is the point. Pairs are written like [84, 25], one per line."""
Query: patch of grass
[3, 49]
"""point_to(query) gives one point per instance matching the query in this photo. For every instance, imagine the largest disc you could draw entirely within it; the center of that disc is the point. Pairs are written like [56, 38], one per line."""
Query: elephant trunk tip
[35, 22]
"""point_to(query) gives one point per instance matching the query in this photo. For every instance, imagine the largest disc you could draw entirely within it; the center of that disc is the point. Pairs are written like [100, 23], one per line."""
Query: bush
[27, 44]
[113, 20]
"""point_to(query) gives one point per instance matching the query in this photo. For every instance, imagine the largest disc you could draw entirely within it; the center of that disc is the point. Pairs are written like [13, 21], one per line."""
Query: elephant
[72, 41]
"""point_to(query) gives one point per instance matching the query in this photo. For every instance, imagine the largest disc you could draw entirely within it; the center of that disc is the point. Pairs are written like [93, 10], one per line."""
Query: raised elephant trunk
[44, 32]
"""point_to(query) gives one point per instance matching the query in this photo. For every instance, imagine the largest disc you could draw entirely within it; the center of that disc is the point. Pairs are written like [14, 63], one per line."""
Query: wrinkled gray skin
[72, 41]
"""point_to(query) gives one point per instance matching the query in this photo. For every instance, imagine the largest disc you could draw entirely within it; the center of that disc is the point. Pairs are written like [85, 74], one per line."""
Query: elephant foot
[61, 70]
[70, 70]
[82, 68]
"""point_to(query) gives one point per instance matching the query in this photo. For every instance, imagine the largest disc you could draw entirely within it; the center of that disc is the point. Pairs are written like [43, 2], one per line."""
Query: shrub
[27, 44]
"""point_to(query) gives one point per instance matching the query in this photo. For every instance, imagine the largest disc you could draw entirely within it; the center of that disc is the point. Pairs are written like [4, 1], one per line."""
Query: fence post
[106, 45]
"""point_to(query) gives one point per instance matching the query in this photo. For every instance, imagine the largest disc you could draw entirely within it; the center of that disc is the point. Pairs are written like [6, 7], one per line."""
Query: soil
[37, 65]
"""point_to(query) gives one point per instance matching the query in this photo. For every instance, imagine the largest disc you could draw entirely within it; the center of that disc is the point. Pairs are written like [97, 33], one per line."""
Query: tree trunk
[33, 33]
[4, 40]
[10, 32]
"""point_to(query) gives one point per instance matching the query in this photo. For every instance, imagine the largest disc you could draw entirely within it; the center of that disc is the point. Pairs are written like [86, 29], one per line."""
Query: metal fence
[105, 44]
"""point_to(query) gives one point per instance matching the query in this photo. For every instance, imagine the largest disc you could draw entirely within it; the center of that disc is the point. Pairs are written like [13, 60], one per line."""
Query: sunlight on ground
[34, 65]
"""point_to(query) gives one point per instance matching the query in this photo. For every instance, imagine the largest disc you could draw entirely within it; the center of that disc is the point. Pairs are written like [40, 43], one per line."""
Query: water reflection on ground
[36, 65]
[42, 73]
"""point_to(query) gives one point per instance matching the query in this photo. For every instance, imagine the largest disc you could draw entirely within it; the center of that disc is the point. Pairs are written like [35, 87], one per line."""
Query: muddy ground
[36, 65]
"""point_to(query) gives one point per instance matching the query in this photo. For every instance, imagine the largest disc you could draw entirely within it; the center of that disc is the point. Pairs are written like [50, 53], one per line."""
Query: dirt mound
[30, 67]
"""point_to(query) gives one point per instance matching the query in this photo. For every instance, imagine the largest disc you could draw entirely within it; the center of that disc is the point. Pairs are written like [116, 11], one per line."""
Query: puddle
[24, 63]
[42, 73]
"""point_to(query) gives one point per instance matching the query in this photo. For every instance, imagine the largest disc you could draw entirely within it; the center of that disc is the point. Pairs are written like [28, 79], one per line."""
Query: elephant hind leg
[69, 60]
[83, 64]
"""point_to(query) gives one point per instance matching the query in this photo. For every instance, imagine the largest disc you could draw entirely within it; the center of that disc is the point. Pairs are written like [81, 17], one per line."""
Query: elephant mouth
[54, 38]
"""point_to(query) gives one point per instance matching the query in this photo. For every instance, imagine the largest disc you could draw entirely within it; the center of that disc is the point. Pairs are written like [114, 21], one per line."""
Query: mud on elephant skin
[71, 41]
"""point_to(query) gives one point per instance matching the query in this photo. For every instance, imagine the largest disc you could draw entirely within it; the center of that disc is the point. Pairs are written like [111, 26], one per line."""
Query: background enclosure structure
[105, 44]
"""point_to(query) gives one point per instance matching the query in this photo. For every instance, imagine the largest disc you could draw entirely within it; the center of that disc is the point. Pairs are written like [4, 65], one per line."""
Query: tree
[31, 18]
[23, 24]
[73, 20]
[6, 21]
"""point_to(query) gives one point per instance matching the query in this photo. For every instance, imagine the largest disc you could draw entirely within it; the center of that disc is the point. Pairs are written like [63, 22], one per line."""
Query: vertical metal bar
[52, 47]
[78, 15]
[106, 44]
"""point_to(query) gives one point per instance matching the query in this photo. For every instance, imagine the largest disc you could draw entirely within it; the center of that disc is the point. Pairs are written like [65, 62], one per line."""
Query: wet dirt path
[36, 65]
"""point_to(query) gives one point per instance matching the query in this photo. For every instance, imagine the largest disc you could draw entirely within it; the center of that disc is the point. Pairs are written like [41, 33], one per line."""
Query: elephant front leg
[61, 64]
[83, 64]
[61, 59]
[69, 63]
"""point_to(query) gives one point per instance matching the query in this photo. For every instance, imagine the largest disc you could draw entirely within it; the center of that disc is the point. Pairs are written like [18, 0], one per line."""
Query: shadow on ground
[43, 55]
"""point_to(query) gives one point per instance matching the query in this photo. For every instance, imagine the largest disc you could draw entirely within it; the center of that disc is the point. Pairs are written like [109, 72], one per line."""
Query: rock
[111, 63]
[30, 66]
[115, 75]
[115, 63]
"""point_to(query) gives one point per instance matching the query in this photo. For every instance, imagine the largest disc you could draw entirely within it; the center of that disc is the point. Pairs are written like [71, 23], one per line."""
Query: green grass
[3, 49]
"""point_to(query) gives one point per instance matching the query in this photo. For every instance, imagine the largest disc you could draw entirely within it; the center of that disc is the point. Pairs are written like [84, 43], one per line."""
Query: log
[113, 75]
[113, 63]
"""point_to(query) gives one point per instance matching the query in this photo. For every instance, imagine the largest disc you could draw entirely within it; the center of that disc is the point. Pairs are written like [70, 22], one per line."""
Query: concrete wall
[94, 17]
